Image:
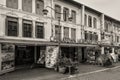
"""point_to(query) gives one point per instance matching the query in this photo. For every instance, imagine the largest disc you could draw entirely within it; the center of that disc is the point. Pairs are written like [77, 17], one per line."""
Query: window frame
[95, 22]
[66, 34]
[57, 13]
[26, 8]
[38, 9]
[12, 19]
[73, 37]
[90, 21]
[40, 24]
[28, 22]
[13, 5]
[73, 15]
[65, 14]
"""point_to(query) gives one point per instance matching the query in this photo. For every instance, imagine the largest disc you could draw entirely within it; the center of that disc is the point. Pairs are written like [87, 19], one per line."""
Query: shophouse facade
[26, 33]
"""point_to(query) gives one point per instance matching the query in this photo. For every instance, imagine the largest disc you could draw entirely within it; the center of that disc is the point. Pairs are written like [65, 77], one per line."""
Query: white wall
[4, 11]
[97, 30]
[76, 25]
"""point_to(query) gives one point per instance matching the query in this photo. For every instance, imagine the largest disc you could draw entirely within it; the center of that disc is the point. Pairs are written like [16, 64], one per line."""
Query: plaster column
[102, 21]
[102, 25]
[113, 50]
[82, 21]
[20, 27]
[2, 25]
[20, 5]
[33, 31]
[33, 6]
[70, 33]
[83, 14]
[62, 32]
[102, 50]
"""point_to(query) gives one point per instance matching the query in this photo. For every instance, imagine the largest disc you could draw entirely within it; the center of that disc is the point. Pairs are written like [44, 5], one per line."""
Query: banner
[7, 56]
[51, 56]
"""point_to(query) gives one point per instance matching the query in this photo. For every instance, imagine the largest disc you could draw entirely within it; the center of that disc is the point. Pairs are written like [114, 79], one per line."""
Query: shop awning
[77, 45]
[36, 42]
[26, 42]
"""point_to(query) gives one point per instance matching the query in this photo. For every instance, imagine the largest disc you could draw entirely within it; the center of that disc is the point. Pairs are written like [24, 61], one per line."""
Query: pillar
[33, 6]
[20, 27]
[70, 33]
[20, 5]
[2, 25]
[113, 49]
[33, 32]
[102, 21]
[62, 32]
[102, 50]
[82, 22]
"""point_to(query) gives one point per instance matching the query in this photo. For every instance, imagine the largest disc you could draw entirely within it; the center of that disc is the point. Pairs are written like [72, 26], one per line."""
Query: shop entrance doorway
[24, 56]
[69, 52]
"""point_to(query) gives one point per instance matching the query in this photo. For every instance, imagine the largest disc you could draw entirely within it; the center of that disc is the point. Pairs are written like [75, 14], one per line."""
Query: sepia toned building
[26, 31]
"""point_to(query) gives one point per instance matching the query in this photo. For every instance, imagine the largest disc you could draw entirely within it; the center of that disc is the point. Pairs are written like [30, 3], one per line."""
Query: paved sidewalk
[111, 73]
[46, 74]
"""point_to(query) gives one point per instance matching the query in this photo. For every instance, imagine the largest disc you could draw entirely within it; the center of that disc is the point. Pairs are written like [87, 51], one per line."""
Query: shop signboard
[51, 56]
[7, 56]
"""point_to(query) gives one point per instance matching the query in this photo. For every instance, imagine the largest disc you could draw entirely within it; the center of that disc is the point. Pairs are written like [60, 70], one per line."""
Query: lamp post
[45, 12]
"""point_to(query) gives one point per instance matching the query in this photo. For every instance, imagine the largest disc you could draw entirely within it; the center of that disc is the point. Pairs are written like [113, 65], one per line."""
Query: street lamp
[45, 12]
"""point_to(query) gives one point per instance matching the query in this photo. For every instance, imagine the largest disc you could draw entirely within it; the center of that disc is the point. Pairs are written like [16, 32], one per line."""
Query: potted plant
[61, 66]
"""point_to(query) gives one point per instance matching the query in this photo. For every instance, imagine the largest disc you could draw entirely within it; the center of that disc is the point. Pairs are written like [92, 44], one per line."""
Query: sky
[109, 7]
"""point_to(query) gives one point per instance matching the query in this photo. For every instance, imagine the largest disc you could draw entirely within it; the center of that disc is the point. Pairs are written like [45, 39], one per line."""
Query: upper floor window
[66, 32]
[57, 11]
[86, 35]
[39, 7]
[73, 15]
[106, 27]
[95, 22]
[27, 28]
[12, 4]
[39, 30]
[95, 36]
[117, 38]
[58, 32]
[90, 21]
[73, 34]
[11, 26]
[65, 14]
[85, 22]
[90, 36]
[27, 5]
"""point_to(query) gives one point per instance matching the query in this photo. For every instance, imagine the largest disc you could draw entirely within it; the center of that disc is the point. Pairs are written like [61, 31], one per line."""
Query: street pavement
[86, 72]
[109, 74]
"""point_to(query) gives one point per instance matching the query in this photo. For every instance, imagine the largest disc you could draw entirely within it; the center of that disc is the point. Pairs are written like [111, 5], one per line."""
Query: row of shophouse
[27, 31]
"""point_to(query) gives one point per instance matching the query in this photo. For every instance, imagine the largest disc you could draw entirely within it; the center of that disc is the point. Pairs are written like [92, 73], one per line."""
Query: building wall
[69, 24]
[98, 27]
[20, 14]
[50, 21]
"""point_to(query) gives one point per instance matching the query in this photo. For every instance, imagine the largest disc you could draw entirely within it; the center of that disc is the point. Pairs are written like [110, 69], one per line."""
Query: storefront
[14, 56]
[93, 53]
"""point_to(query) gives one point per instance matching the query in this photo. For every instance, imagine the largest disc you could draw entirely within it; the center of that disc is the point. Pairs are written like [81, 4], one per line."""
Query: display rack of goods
[91, 57]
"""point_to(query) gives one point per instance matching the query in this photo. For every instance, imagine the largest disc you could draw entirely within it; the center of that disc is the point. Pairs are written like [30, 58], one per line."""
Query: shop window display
[7, 51]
